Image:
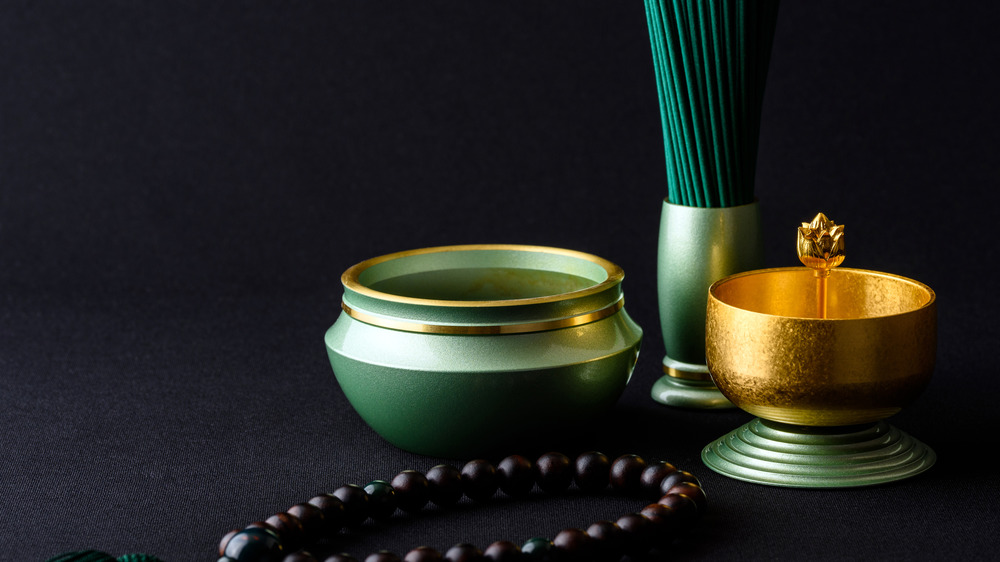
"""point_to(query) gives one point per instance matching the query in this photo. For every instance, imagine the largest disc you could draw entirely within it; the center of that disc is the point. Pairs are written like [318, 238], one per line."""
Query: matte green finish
[689, 394]
[766, 452]
[698, 246]
[456, 395]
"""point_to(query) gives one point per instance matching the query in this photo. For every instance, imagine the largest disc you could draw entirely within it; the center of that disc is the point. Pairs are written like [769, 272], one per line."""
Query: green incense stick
[710, 59]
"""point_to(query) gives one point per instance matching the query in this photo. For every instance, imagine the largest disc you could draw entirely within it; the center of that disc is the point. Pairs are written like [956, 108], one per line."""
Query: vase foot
[686, 385]
[777, 454]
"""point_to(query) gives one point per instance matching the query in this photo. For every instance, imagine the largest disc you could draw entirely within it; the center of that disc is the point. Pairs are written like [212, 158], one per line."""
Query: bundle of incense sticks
[711, 59]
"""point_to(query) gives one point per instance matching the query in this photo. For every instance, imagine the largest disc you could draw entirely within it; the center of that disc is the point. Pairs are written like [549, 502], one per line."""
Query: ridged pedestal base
[776, 454]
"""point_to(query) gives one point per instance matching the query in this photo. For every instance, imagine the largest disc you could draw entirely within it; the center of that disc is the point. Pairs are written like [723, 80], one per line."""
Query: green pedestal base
[776, 454]
[688, 392]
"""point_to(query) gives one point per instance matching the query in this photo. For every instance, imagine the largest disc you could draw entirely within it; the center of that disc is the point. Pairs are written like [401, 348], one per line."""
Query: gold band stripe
[686, 375]
[525, 328]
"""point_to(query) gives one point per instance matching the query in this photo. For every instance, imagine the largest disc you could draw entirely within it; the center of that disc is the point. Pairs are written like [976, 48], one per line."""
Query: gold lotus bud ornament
[821, 248]
[821, 244]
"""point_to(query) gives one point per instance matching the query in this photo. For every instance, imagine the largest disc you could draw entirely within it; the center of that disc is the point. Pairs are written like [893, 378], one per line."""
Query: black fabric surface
[182, 184]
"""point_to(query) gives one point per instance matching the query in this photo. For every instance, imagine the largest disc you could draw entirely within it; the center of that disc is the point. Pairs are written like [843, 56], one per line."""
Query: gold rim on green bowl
[482, 289]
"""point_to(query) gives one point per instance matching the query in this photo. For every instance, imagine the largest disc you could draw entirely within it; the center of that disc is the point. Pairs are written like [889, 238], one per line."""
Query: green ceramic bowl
[458, 350]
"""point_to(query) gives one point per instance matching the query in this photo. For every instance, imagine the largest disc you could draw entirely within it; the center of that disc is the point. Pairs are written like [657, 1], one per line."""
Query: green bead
[137, 557]
[83, 556]
[381, 499]
[538, 548]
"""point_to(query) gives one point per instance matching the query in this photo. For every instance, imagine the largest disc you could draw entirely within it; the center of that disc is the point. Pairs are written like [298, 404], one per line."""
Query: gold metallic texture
[771, 356]
[821, 243]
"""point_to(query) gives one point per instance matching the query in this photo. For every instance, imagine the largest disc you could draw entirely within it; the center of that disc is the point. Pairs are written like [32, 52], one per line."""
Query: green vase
[697, 246]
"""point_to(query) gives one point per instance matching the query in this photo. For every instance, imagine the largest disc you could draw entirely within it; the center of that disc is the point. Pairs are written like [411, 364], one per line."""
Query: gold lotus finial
[821, 248]
[821, 244]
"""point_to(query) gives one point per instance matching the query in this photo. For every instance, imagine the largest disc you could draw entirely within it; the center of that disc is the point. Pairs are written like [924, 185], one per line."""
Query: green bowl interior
[482, 275]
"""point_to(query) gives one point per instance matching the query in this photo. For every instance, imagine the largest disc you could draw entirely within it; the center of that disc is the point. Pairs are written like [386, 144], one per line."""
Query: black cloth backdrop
[182, 184]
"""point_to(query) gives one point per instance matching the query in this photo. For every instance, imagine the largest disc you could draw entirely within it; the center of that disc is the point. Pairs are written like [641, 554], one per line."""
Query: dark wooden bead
[312, 520]
[625, 473]
[463, 552]
[652, 476]
[289, 529]
[225, 541]
[517, 476]
[664, 521]
[423, 554]
[553, 472]
[575, 544]
[383, 556]
[334, 512]
[608, 540]
[638, 533]
[592, 471]
[255, 544]
[691, 491]
[684, 507]
[445, 484]
[538, 548]
[412, 490]
[340, 557]
[503, 551]
[381, 499]
[479, 480]
[301, 556]
[676, 478]
[605, 531]
[355, 503]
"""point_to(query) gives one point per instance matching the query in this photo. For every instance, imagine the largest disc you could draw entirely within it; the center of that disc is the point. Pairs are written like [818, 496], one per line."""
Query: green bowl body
[460, 350]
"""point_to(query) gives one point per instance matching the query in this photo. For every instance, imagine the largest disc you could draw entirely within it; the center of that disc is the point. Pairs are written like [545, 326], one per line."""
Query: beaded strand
[678, 495]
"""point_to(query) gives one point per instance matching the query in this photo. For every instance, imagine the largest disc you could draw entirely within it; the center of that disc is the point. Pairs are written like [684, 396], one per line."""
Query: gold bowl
[771, 355]
[821, 386]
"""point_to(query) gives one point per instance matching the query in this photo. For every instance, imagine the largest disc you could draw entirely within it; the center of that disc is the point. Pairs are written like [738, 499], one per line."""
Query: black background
[182, 184]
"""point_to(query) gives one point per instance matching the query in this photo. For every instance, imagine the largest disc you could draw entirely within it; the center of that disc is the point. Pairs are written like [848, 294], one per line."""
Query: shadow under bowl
[459, 350]
[772, 356]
